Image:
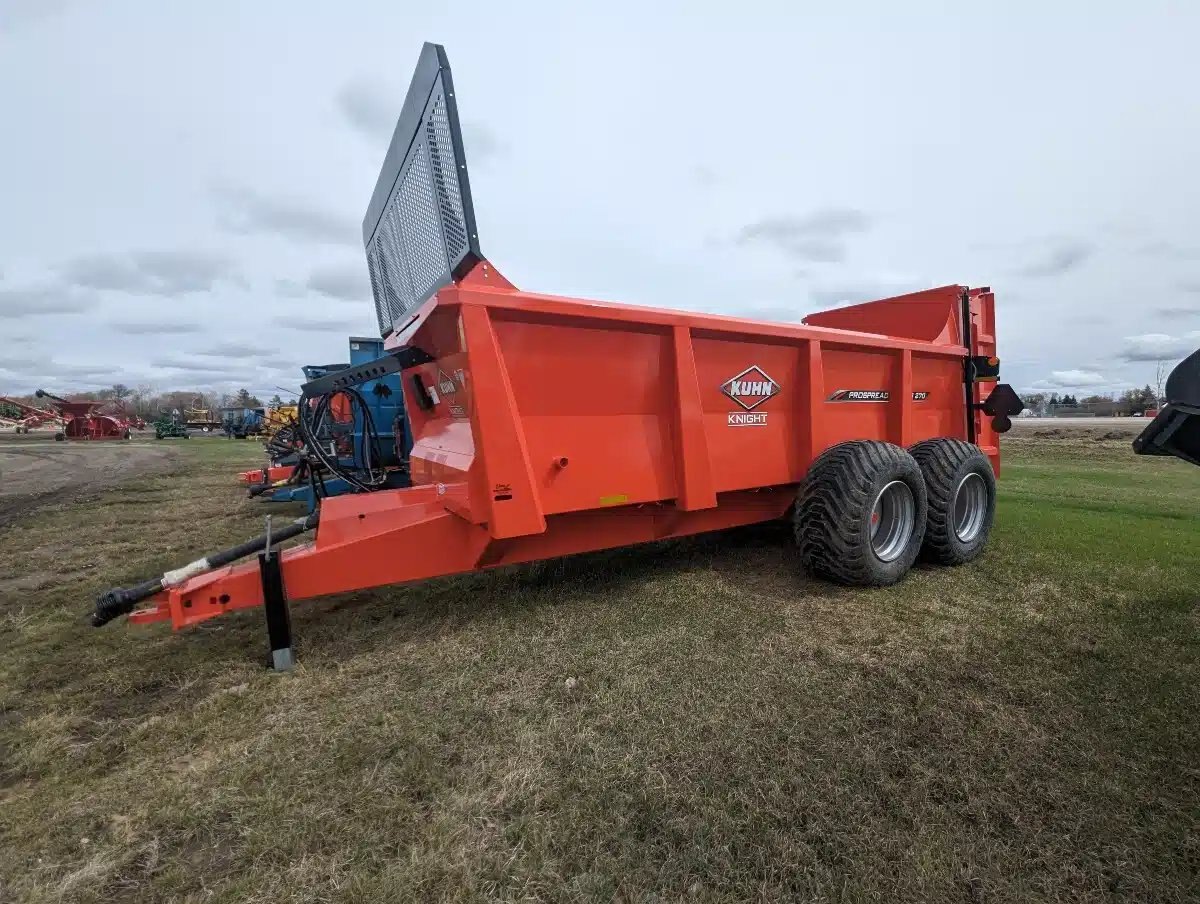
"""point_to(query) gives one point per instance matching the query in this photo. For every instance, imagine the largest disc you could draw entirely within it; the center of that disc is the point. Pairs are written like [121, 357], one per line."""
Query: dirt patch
[1111, 434]
[33, 474]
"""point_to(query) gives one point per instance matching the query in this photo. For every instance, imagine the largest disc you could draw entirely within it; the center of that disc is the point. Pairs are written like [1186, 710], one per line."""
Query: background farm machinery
[92, 420]
[24, 418]
[277, 418]
[198, 416]
[239, 423]
[539, 426]
[170, 425]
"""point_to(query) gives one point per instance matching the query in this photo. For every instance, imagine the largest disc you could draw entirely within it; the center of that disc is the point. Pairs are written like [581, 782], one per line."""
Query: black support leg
[279, 618]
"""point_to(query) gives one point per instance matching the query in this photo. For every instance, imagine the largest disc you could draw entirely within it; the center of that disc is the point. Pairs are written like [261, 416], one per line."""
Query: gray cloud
[34, 301]
[191, 365]
[1178, 312]
[344, 282]
[180, 272]
[347, 282]
[313, 324]
[86, 370]
[818, 237]
[480, 143]
[1170, 251]
[15, 364]
[232, 350]
[155, 328]
[1159, 347]
[98, 272]
[279, 362]
[248, 211]
[1057, 257]
[369, 109]
[167, 273]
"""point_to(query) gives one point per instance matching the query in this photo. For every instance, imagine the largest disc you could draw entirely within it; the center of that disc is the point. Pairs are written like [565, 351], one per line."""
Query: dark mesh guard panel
[420, 228]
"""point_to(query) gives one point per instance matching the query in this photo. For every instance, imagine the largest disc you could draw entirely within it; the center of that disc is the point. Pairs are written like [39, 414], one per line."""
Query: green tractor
[170, 426]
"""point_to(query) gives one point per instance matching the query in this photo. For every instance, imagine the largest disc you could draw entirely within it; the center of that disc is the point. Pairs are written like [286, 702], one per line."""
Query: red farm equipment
[24, 418]
[91, 420]
[545, 426]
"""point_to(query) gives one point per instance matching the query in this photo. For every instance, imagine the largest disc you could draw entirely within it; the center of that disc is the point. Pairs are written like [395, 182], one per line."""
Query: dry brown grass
[686, 721]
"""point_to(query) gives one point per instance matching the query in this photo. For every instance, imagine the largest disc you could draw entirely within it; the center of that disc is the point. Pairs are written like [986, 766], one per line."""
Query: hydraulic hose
[312, 427]
[121, 600]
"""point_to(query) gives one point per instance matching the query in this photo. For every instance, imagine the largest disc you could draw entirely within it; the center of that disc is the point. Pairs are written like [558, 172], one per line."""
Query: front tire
[860, 516]
[962, 500]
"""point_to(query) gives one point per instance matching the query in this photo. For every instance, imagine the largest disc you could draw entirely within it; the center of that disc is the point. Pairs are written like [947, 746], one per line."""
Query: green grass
[687, 721]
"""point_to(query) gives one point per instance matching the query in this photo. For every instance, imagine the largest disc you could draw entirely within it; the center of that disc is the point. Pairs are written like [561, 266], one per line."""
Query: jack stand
[279, 618]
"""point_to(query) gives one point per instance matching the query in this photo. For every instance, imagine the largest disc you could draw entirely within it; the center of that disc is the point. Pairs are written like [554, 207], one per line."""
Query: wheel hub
[892, 520]
[970, 507]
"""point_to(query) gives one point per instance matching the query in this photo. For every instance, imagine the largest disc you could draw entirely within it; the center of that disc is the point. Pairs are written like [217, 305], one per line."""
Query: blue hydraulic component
[241, 422]
[385, 402]
[302, 492]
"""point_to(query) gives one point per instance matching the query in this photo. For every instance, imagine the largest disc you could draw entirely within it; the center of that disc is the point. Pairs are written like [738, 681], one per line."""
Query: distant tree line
[1126, 403]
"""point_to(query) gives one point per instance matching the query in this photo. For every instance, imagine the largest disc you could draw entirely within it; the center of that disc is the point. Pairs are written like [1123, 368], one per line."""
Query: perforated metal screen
[419, 230]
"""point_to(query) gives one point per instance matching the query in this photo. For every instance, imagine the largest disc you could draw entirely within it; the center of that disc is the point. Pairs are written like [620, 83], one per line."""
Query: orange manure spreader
[545, 426]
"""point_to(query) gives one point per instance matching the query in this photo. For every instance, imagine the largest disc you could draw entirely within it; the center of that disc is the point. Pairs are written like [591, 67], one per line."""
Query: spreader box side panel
[749, 393]
[595, 406]
[419, 230]
[939, 403]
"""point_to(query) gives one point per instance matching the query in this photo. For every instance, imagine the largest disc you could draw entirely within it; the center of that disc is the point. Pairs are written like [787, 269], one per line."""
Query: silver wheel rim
[970, 507]
[892, 518]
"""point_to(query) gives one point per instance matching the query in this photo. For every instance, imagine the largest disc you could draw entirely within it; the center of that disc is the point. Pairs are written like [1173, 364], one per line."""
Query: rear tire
[860, 516]
[962, 500]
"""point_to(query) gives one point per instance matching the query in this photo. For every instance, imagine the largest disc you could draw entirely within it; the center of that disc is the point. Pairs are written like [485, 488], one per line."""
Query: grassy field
[690, 721]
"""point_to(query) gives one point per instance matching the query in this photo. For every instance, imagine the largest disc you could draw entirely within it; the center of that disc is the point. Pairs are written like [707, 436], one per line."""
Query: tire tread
[941, 461]
[830, 506]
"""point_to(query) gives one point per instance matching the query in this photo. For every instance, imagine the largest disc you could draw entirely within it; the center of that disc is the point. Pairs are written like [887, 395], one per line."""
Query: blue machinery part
[385, 405]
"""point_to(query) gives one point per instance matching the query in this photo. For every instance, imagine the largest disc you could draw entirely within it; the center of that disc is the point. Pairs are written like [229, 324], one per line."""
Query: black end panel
[419, 230]
[1183, 385]
[1175, 431]
[1176, 428]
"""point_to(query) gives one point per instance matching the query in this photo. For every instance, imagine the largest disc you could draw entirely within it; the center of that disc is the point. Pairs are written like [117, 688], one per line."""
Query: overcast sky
[183, 183]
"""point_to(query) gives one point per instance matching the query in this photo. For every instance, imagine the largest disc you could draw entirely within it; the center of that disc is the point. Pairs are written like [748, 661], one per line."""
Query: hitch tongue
[121, 600]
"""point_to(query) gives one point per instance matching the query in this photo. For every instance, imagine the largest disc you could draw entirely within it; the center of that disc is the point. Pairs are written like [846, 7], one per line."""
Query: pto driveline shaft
[121, 600]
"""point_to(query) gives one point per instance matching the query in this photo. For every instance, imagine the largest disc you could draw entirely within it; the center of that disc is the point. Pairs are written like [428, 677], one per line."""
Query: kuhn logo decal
[870, 395]
[750, 388]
